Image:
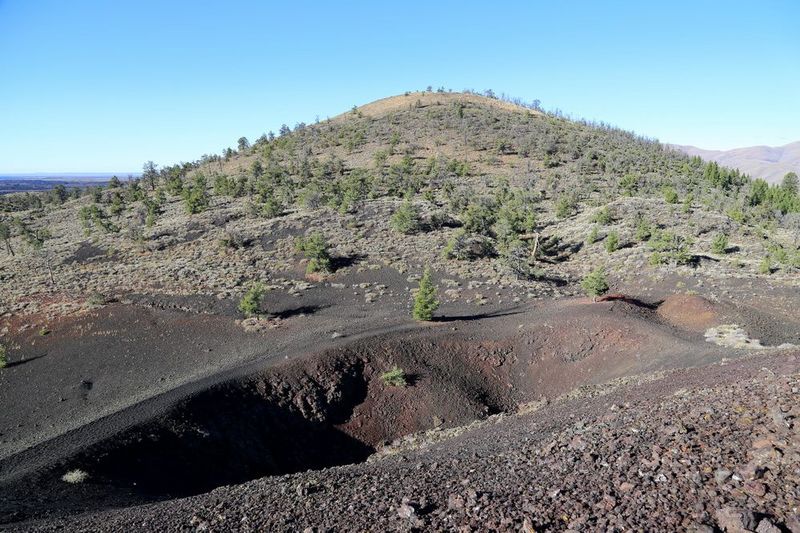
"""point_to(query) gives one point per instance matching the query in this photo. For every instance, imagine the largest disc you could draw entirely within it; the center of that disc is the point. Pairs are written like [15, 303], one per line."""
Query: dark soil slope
[643, 454]
[333, 408]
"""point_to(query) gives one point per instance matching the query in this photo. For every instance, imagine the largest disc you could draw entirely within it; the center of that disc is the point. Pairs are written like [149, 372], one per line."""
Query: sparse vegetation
[250, 304]
[395, 377]
[669, 247]
[195, 196]
[594, 284]
[406, 218]
[565, 206]
[612, 242]
[719, 245]
[670, 195]
[425, 302]
[765, 266]
[603, 216]
[593, 236]
[515, 188]
[315, 249]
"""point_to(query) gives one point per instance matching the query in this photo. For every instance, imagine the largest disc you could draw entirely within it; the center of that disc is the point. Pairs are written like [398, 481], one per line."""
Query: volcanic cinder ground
[558, 414]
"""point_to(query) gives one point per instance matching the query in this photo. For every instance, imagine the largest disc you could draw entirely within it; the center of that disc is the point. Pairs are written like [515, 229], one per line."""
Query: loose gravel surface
[707, 449]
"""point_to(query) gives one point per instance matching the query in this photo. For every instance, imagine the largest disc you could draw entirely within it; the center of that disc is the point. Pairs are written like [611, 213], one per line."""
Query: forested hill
[469, 183]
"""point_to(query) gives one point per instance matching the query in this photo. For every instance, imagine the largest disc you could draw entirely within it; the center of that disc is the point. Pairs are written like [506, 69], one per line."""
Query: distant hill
[10, 183]
[770, 163]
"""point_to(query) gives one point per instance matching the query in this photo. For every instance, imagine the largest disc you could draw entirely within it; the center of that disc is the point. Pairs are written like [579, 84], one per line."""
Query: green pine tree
[595, 283]
[425, 302]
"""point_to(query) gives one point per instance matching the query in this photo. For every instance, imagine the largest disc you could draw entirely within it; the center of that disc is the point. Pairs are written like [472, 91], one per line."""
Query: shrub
[425, 302]
[643, 230]
[250, 304]
[603, 216]
[315, 249]
[765, 267]
[593, 235]
[687, 203]
[395, 377]
[479, 218]
[736, 214]
[720, 244]
[94, 215]
[3, 356]
[595, 284]
[656, 259]
[670, 247]
[75, 476]
[565, 206]
[468, 247]
[310, 198]
[96, 299]
[406, 218]
[233, 240]
[271, 208]
[670, 195]
[612, 242]
[629, 183]
[514, 217]
[517, 258]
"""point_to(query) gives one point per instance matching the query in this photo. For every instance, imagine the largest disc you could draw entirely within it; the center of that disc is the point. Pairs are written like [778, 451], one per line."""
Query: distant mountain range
[768, 162]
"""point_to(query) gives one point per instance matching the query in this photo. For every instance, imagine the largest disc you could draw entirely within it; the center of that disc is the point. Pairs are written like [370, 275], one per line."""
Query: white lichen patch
[732, 336]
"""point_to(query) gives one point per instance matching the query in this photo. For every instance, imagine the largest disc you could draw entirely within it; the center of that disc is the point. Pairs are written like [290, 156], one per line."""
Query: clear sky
[106, 85]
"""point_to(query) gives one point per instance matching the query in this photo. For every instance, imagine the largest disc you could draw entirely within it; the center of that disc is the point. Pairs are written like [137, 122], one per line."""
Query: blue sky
[104, 86]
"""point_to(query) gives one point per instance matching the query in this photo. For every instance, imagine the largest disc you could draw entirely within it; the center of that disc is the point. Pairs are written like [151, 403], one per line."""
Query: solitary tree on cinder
[425, 302]
[595, 283]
